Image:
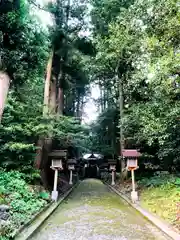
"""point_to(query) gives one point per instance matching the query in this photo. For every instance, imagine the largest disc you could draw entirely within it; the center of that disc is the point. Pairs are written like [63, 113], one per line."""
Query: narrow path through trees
[93, 212]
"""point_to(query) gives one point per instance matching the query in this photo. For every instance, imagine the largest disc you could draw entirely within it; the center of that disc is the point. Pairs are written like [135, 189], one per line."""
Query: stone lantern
[132, 164]
[112, 168]
[71, 167]
[56, 165]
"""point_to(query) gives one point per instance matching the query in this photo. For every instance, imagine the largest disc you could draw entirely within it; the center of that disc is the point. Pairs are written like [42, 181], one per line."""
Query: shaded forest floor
[21, 198]
[159, 194]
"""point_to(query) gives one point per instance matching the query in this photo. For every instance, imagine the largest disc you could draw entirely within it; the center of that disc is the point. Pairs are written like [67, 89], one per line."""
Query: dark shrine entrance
[91, 165]
[87, 166]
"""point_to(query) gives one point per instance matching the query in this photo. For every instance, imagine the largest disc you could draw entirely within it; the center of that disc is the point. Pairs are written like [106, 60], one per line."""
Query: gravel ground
[93, 212]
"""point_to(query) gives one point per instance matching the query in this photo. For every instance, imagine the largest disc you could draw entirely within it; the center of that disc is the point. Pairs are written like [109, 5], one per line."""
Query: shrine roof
[94, 156]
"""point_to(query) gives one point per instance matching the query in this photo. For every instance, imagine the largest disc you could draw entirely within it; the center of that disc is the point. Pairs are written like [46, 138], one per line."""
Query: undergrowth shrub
[164, 190]
[23, 200]
[160, 180]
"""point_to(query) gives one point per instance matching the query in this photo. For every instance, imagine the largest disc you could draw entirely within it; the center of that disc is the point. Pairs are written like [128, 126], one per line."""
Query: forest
[131, 52]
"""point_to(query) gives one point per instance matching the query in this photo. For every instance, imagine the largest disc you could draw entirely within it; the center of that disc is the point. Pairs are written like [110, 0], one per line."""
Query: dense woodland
[48, 79]
[132, 53]
[137, 69]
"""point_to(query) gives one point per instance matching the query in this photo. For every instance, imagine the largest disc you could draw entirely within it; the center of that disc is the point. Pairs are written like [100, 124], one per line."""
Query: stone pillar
[98, 172]
[54, 195]
[134, 195]
[113, 178]
[133, 180]
[113, 169]
[70, 178]
[71, 169]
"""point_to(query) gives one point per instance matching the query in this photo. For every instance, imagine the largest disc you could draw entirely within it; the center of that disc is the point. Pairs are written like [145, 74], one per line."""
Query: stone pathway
[93, 212]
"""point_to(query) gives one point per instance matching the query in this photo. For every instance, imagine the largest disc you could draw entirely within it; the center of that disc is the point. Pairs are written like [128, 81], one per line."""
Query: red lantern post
[132, 164]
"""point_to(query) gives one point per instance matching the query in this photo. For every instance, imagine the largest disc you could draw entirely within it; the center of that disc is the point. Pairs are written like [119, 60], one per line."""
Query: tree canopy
[141, 41]
[132, 54]
[25, 47]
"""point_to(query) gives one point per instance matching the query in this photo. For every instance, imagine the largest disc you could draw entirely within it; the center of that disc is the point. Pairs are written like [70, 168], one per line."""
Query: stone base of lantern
[134, 196]
[112, 183]
[54, 195]
[113, 178]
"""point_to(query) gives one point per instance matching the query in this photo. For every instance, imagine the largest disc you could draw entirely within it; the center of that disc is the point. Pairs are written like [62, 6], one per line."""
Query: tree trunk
[39, 150]
[121, 108]
[4, 88]
[60, 98]
[52, 103]
[121, 114]
[47, 85]
[40, 143]
[82, 107]
[60, 101]
[78, 105]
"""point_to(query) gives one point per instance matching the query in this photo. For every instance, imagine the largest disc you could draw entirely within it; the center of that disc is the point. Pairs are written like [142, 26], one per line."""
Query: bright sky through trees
[90, 110]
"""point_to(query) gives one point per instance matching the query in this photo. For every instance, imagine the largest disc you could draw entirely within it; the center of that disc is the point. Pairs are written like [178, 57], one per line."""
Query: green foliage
[44, 195]
[138, 44]
[22, 126]
[24, 47]
[157, 181]
[24, 44]
[3, 238]
[69, 132]
[177, 181]
[24, 202]
[19, 130]
[164, 191]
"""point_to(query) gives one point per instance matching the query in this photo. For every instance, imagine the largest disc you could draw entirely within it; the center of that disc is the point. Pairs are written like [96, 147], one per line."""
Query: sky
[44, 16]
[90, 109]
